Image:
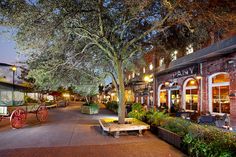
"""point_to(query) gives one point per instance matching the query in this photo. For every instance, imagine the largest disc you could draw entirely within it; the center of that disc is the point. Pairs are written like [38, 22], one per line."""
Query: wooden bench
[108, 125]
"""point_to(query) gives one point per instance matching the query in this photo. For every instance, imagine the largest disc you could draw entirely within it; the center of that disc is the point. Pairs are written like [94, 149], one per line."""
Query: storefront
[204, 81]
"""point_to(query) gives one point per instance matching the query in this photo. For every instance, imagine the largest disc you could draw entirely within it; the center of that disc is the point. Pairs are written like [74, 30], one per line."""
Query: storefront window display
[220, 93]
[191, 95]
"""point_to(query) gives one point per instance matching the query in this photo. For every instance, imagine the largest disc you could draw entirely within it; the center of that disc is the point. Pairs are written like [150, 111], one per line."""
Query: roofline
[220, 48]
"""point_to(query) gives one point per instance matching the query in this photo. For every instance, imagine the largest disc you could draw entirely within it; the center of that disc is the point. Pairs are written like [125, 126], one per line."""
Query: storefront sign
[186, 72]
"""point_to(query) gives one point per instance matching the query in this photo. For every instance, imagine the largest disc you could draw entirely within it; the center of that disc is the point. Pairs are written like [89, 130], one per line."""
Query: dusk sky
[7, 49]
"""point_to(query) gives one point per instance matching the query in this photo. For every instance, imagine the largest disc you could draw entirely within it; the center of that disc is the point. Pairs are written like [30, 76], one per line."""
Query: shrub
[28, 99]
[176, 125]
[48, 103]
[210, 141]
[94, 106]
[137, 112]
[199, 140]
[156, 118]
[112, 105]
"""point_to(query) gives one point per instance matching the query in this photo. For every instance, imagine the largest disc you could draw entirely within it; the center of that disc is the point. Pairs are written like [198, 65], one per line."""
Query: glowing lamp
[167, 83]
[198, 77]
[66, 95]
[192, 82]
[13, 68]
[146, 79]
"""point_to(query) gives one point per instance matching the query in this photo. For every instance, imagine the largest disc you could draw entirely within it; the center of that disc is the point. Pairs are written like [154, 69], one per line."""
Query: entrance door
[174, 100]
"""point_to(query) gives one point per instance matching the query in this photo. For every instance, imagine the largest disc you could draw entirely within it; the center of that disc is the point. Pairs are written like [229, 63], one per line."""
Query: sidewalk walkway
[69, 133]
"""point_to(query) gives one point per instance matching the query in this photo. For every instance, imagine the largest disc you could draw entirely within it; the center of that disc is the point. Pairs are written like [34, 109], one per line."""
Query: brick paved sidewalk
[69, 133]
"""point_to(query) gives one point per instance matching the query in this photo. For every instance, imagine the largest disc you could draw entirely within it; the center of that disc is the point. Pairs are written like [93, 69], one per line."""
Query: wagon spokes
[42, 113]
[18, 118]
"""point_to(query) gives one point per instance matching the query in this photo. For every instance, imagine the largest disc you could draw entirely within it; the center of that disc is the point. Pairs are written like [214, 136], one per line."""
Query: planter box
[170, 137]
[111, 125]
[89, 110]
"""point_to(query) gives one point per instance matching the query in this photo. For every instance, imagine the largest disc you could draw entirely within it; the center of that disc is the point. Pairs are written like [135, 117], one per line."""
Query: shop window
[150, 66]
[220, 93]
[189, 49]
[144, 70]
[175, 100]
[174, 55]
[220, 78]
[163, 97]
[220, 99]
[161, 62]
[191, 95]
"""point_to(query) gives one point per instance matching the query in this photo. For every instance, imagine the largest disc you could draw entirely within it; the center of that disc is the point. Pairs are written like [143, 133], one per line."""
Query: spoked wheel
[18, 118]
[42, 113]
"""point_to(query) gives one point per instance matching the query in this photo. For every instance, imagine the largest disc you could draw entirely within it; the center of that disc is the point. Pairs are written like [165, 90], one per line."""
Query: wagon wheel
[42, 113]
[18, 118]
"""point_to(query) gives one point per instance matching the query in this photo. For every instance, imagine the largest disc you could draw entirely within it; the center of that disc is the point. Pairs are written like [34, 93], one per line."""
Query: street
[70, 133]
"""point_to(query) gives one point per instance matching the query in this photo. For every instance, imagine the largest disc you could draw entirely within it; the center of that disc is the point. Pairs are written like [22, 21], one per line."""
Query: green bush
[155, 118]
[176, 125]
[112, 105]
[198, 140]
[210, 141]
[94, 106]
[48, 103]
[137, 112]
[28, 99]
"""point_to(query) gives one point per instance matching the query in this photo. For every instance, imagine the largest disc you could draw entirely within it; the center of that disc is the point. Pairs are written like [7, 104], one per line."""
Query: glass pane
[220, 78]
[163, 97]
[191, 99]
[224, 99]
[192, 83]
[215, 99]
[220, 99]
[175, 100]
[225, 107]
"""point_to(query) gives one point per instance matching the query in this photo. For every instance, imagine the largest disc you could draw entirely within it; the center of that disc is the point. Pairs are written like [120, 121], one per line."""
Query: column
[232, 94]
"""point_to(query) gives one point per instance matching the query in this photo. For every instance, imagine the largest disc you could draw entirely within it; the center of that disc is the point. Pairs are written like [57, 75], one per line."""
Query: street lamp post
[13, 68]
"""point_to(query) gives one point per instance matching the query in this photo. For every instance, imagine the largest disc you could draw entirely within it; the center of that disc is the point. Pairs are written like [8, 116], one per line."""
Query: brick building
[203, 81]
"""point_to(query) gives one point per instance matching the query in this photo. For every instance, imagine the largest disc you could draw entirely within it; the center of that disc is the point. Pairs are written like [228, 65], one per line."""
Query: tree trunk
[121, 93]
[86, 98]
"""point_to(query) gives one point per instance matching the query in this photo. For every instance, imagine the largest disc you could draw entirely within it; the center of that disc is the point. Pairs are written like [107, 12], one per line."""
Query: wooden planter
[170, 137]
[89, 110]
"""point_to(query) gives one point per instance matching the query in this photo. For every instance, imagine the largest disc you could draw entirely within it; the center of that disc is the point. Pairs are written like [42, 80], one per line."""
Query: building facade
[204, 81]
[12, 88]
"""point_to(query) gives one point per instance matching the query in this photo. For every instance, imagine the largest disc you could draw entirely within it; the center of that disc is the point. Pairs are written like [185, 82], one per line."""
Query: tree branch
[156, 25]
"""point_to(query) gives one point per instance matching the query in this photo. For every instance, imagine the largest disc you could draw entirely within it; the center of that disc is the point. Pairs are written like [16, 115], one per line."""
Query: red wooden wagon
[18, 114]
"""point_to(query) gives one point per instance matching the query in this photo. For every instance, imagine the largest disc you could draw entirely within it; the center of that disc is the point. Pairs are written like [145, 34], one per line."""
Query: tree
[87, 91]
[93, 38]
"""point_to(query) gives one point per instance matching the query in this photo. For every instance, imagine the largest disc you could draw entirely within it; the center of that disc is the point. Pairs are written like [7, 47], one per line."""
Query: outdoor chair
[206, 119]
[222, 122]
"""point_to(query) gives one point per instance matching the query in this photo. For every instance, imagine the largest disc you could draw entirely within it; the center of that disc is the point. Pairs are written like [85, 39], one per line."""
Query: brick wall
[226, 64]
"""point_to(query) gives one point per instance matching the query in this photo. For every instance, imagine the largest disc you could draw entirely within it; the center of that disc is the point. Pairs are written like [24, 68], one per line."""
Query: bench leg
[117, 134]
[140, 133]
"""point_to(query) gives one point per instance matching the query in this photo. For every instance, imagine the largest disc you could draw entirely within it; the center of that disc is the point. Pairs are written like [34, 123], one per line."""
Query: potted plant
[90, 108]
[88, 91]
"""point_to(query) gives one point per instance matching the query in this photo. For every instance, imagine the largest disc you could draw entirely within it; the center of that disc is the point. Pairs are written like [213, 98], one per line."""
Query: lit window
[133, 74]
[163, 97]
[220, 93]
[161, 61]
[151, 66]
[174, 55]
[191, 95]
[189, 49]
[144, 70]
